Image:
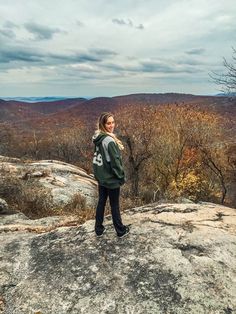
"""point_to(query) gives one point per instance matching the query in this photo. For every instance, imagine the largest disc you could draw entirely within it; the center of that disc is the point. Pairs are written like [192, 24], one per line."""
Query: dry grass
[23, 192]
[27, 196]
[35, 201]
[79, 208]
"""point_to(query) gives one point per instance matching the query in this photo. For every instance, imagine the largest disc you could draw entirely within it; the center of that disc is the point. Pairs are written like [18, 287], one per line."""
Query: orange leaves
[170, 140]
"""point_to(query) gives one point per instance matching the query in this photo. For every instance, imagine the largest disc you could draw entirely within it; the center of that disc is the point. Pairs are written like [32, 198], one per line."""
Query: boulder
[178, 258]
[63, 180]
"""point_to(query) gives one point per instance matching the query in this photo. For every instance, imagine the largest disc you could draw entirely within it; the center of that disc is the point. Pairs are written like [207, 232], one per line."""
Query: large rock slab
[63, 180]
[177, 259]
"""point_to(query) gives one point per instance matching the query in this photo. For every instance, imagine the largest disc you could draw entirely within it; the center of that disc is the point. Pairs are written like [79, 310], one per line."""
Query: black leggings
[115, 209]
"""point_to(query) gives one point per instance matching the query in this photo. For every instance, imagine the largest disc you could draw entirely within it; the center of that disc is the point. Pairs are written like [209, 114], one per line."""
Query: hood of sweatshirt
[98, 138]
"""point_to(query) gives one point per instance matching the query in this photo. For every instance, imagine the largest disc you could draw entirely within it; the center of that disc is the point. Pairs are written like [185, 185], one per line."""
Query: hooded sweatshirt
[107, 162]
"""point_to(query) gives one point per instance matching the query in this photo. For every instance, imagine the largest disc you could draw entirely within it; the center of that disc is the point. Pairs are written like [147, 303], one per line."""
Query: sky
[108, 48]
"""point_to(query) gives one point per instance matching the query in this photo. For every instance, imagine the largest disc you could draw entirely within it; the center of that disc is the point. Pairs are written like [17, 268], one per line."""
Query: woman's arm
[116, 162]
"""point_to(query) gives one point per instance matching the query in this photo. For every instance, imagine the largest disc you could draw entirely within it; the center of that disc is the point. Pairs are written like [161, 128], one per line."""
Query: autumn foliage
[171, 151]
[175, 151]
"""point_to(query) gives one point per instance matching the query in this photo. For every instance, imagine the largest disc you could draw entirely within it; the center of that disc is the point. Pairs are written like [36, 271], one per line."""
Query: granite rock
[62, 180]
[177, 259]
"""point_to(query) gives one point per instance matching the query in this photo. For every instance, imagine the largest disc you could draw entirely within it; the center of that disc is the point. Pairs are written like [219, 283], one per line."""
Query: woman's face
[110, 124]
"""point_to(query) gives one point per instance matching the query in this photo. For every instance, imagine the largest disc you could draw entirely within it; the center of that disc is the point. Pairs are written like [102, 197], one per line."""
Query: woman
[109, 172]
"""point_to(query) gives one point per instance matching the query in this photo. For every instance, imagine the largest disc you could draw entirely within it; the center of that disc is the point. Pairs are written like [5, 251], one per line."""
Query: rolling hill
[42, 116]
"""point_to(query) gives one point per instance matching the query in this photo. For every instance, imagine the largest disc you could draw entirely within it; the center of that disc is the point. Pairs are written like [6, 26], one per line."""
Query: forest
[171, 151]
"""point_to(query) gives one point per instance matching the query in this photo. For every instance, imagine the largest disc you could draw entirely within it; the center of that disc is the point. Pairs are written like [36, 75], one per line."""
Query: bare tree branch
[226, 80]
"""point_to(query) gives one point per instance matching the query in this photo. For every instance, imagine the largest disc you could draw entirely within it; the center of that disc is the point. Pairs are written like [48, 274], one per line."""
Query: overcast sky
[109, 48]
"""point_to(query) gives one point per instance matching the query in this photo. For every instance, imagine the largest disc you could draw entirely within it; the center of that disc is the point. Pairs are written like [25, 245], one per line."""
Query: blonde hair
[101, 128]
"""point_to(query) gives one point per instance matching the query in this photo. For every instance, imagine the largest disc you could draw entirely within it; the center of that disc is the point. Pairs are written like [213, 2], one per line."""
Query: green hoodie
[107, 162]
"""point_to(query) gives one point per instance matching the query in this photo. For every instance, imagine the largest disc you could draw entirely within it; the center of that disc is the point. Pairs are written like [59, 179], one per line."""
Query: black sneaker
[125, 233]
[98, 235]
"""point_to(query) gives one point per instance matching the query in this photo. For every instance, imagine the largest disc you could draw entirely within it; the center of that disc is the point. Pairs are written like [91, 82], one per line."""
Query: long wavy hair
[102, 129]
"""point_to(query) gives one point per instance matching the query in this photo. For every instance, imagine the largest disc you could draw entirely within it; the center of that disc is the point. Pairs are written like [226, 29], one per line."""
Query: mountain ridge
[28, 116]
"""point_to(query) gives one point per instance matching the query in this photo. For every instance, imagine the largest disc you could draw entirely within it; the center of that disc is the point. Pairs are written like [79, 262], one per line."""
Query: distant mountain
[43, 116]
[227, 94]
[38, 99]
[11, 110]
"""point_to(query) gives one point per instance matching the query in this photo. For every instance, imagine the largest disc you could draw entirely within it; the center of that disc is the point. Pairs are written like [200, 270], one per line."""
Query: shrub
[27, 196]
[192, 186]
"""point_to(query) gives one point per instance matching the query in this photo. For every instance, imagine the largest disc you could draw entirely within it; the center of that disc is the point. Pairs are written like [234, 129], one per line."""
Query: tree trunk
[135, 182]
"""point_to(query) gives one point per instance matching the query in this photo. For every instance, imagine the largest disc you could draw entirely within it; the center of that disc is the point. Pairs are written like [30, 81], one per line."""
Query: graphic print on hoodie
[107, 162]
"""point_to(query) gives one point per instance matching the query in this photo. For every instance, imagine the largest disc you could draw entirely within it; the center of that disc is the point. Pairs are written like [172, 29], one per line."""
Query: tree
[67, 144]
[8, 137]
[228, 79]
[216, 160]
[136, 127]
[188, 153]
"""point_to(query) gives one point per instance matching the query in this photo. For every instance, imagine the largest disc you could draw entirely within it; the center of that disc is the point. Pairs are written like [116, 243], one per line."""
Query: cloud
[14, 54]
[103, 52]
[140, 26]
[166, 67]
[91, 55]
[128, 23]
[115, 67]
[79, 23]
[100, 41]
[41, 32]
[76, 58]
[142, 67]
[7, 33]
[185, 61]
[9, 24]
[22, 55]
[196, 51]
[122, 22]
[152, 66]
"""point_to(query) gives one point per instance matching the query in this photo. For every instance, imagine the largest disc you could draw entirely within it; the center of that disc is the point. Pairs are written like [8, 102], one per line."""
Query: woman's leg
[103, 193]
[114, 195]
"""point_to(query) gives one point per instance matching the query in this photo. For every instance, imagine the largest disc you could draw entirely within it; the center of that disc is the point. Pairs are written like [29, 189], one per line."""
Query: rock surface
[177, 259]
[63, 180]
